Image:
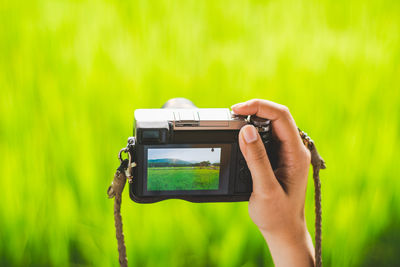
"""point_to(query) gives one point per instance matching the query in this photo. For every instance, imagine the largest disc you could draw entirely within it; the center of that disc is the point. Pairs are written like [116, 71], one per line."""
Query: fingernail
[250, 134]
[238, 105]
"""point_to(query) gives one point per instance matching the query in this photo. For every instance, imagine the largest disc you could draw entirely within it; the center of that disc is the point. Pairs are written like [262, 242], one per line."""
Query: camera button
[185, 116]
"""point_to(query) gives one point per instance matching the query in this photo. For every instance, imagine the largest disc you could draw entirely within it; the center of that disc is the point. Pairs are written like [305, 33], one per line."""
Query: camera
[190, 153]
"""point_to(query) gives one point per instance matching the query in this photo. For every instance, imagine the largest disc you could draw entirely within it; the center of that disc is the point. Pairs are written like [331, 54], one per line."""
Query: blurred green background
[72, 73]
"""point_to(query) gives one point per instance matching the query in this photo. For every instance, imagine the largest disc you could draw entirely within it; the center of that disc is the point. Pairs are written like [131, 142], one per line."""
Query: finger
[282, 121]
[253, 150]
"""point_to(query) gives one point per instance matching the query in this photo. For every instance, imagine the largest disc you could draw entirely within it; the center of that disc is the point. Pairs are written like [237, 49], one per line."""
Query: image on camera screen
[183, 169]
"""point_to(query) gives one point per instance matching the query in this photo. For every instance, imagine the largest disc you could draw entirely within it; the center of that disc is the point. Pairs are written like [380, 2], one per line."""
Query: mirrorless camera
[189, 153]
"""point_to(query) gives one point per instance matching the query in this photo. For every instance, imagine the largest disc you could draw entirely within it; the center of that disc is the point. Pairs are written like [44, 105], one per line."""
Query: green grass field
[182, 178]
[73, 72]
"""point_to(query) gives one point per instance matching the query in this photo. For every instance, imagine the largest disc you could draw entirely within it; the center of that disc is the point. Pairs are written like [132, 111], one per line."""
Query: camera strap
[318, 163]
[124, 172]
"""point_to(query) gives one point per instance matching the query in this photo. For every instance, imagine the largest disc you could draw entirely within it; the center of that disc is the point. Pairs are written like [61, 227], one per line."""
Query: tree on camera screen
[183, 169]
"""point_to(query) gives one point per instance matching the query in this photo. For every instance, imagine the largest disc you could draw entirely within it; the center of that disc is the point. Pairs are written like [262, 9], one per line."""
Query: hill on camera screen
[183, 168]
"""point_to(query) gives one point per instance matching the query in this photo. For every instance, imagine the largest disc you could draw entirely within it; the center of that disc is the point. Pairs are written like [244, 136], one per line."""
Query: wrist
[289, 235]
[291, 247]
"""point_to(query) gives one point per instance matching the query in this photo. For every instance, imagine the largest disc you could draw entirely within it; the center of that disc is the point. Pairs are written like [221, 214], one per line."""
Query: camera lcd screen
[182, 169]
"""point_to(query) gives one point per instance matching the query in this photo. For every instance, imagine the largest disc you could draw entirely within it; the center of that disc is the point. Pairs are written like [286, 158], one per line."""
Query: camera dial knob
[263, 125]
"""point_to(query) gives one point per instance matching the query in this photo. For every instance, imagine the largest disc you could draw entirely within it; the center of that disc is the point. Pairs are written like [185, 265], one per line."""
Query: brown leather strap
[318, 163]
[318, 213]
[115, 190]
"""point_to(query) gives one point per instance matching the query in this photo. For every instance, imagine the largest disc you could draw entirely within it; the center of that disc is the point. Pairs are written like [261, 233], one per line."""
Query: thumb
[253, 150]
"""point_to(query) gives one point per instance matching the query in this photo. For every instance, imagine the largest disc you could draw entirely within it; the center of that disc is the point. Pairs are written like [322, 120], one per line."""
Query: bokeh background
[73, 72]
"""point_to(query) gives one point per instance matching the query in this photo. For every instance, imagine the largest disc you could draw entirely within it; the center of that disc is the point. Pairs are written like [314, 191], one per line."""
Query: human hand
[278, 211]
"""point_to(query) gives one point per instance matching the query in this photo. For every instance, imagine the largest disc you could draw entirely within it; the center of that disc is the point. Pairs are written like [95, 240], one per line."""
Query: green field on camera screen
[182, 178]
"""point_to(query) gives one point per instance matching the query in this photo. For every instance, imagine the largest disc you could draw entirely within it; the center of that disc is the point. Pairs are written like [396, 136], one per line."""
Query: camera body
[193, 154]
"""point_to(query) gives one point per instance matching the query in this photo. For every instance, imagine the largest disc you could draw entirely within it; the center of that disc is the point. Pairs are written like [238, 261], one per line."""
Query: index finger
[283, 123]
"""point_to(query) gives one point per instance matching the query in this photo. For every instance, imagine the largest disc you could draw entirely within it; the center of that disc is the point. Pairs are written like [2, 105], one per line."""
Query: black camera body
[193, 154]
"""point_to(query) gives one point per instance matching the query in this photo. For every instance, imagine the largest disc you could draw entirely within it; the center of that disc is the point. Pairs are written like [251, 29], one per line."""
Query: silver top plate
[189, 119]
